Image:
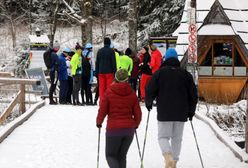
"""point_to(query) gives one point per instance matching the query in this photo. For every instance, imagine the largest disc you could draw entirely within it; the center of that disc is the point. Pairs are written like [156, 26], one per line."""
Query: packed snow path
[65, 136]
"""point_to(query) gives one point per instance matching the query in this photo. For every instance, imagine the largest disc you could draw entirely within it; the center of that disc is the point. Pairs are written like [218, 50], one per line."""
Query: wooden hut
[222, 49]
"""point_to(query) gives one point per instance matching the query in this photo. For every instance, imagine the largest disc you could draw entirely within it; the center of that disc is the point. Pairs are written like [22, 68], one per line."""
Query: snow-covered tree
[159, 18]
[132, 24]
[13, 12]
[82, 13]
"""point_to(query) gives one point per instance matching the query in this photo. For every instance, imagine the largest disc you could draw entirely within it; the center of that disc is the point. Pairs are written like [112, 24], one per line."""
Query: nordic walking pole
[143, 152]
[196, 143]
[98, 148]
[137, 140]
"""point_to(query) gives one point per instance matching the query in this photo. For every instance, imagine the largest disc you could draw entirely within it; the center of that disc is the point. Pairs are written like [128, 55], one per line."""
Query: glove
[190, 116]
[149, 107]
[99, 125]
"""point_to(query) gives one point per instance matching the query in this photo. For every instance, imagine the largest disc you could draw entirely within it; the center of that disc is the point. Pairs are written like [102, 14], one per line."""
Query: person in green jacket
[117, 56]
[126, 62]
[76, 70]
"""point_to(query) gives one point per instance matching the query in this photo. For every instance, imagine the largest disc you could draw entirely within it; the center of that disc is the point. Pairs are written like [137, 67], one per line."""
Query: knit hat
[171, 53]
[128, 52]
[56, 45]
[78, 46]
[121, 75]
[107, 41]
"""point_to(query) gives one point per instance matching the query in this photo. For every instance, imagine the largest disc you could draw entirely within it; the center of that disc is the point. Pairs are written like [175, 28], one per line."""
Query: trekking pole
[98, 148]
[197, 144]
[137, 140]
[143, 152]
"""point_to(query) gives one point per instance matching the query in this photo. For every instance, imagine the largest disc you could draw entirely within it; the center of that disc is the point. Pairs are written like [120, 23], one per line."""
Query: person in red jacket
[156, 58]
[121, 105]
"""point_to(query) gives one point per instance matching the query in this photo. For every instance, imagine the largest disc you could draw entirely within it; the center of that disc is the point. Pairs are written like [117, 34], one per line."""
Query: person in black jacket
[53, 72]
[176, 95]
[105, 67]
[145, 70]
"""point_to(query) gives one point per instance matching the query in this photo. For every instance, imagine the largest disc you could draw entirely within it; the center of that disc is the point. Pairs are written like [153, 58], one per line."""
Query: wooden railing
[20, 97]
[6, 74]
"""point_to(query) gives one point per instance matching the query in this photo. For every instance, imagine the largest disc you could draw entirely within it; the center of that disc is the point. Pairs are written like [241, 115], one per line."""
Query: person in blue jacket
[63, 76]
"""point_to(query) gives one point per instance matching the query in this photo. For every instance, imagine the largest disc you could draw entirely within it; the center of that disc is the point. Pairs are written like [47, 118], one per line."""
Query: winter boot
[168, 160]
[52, 102]
[174, 164]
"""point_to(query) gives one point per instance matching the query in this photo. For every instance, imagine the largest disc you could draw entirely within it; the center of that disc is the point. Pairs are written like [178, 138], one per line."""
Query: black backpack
[47, 56]
[86, 67]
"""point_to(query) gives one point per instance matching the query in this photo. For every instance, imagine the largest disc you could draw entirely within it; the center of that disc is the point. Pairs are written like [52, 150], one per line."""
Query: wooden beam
[9, 109]
[20, 81]
[6, 74]
[26, 91]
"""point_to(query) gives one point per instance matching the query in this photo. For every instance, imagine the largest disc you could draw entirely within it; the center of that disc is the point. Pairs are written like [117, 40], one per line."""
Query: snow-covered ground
[66, 136]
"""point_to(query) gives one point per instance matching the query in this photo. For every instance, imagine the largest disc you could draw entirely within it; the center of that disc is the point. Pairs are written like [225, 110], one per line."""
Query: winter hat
[56, 45]
[78, 46]
[171, 53]
[88, 46]
[107, 41]
[67, 50]
[128, 51]
[121, 75]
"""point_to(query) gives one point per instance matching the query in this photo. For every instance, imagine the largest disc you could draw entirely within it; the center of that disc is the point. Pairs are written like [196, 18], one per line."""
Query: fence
[20, 97]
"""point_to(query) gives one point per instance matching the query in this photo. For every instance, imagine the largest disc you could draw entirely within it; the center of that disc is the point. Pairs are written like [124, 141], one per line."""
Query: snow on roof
[216, 29]
[39, 39]
[236, 11]
[234, 4]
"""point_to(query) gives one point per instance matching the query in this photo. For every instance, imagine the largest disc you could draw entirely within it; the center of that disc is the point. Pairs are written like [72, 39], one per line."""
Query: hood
[122, 89]
[171, 62]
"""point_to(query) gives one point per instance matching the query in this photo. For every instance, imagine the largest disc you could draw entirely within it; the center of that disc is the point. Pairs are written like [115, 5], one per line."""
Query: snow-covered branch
[82, 21]
[73, 12]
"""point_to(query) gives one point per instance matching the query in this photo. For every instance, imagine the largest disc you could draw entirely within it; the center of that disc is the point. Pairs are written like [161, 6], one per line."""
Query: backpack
[47, 56]
[86, 67]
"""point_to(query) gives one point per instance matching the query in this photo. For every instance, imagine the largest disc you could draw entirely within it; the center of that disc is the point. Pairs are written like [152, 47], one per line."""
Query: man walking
[176, 95]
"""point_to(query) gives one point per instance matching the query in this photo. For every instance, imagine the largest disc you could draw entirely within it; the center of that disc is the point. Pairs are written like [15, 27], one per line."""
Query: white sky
[65, 136]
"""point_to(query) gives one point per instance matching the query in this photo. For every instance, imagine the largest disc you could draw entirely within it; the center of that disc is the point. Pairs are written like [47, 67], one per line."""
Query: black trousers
[97, 92]
[76, 88]
[133, 83]
[116, 150]
[54, 80]
[86, 90]
[70, 89]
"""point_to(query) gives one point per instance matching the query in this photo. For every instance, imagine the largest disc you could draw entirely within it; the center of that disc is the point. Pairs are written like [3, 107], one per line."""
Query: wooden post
[22, 107]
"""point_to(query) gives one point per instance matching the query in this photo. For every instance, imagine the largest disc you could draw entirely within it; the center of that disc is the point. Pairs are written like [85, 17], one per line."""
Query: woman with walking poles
[176, 96]
[121, 105]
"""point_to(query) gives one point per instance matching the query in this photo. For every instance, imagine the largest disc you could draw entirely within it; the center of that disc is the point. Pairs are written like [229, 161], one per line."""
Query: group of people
[74, 70]
[161, 78]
